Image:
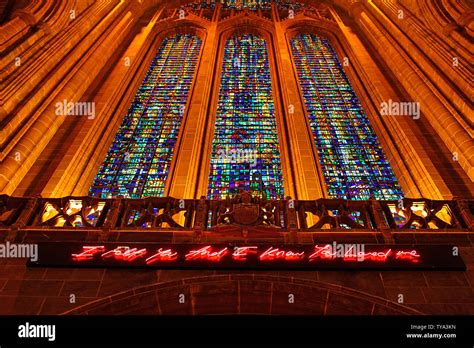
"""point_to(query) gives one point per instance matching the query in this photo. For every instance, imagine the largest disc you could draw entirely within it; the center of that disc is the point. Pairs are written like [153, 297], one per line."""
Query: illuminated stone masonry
[153, 159]
[240, 213]
[351, 151]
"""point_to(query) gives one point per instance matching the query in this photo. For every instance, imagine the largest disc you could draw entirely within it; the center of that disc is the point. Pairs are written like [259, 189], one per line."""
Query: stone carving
[244, 209]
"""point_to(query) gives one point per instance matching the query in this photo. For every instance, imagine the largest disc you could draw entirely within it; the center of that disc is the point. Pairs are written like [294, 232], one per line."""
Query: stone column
[452, 77]
[30, 129]
[79, 166]
[444, 118]
[408, 157]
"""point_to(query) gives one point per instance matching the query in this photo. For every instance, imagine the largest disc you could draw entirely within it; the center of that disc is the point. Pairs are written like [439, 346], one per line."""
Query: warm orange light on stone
[99, 51]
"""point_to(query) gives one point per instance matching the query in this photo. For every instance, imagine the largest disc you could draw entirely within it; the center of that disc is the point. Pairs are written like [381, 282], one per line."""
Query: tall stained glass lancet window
[245, 148]
[139, 159]
[352, 160]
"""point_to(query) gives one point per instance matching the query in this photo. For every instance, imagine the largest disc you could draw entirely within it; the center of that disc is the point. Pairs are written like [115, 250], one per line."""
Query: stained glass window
[232, 4]
[249, 4]
[246, 4]
[245, 149]
[139, 159]
[290, 5]
[352, 160]
[284, 6]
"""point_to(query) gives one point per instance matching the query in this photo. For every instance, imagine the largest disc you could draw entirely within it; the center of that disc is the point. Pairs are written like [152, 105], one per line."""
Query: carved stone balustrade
[242, 212]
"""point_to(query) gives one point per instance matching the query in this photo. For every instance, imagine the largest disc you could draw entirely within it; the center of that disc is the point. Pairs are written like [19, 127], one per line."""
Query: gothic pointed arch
[263, 153]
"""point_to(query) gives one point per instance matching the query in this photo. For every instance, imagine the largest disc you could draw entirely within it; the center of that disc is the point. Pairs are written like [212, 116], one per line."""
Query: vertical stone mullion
[439, 114]
[414, 32]
[48, 64]
[404, 150]
[71, 88]
[78, 168]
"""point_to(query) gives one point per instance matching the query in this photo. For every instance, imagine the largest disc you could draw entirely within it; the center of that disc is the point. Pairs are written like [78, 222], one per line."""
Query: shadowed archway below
[242, 294]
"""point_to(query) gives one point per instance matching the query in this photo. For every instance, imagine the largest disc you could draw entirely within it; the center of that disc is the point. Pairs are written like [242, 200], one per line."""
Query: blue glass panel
[245, 149]
[138, 162]
[353, 163]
